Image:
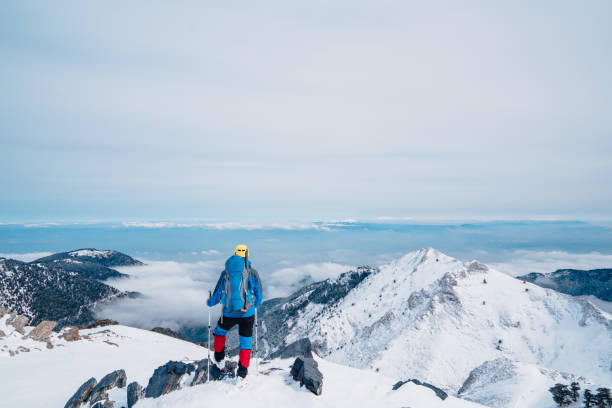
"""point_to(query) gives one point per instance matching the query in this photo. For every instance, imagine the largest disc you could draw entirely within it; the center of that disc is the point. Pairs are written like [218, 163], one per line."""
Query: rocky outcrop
[168, 332]
[134, 393]
[115, 379]
[3, 311]
[306, 372]
[71, 334]
[441, 394]
[2, 334]
[42, 331]
[201, 372]
[167, 378]
[18, 322]
[81, 395]
[102, 323]
[299, 348]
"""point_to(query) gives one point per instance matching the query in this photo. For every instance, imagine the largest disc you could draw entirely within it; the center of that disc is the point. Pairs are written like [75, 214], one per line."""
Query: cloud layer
[174, 293]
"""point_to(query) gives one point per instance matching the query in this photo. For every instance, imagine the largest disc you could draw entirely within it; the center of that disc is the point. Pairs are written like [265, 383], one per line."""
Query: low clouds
[525, 261]
[174, 294]
[247, 226]
[210, 252]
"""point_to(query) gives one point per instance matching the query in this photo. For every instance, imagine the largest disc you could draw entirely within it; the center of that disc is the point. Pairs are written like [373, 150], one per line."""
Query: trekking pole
[208, 347]
[256, 350]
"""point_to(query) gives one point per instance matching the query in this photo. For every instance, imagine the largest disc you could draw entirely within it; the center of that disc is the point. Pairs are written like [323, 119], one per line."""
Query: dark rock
[201, 373]
[167, 378]
[441, 394]
[134, 393]
[115, 379]
[81, 394]
[300, 348]
[168, 332]
[229, 371]
[102, 323]
[306, 372]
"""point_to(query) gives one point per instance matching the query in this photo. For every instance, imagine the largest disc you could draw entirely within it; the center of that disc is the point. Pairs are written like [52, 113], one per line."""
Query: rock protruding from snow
[18, 322]
[71, 334]
[168, 332]
[82, 394]
[43, 330]
[201, 372]
[167, 378]
[306, 372]
[102, 323]
[134, 393]
[115, 379]
[299, 348]
[441, 394]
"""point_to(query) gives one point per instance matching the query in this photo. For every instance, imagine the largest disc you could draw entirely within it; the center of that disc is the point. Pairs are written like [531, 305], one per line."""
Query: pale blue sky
[230, 109]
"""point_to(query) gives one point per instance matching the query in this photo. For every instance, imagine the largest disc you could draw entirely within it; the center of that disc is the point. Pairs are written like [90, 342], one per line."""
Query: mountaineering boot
[219, 359]
[242, 371]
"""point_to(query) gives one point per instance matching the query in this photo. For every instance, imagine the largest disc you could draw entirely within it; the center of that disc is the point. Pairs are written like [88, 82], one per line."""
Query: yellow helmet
[241, 250]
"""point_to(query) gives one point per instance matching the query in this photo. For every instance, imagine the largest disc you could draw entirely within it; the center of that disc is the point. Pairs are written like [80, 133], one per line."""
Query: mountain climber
[239, 291]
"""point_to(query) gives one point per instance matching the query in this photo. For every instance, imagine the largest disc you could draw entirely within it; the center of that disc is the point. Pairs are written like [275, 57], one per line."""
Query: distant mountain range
[576, 282]
[65, 287]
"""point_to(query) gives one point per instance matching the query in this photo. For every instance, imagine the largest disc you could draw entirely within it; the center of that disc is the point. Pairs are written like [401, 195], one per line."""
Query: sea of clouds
[173, 294]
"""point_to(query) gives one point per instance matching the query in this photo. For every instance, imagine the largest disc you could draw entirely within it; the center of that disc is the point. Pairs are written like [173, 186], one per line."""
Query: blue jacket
[253, 282]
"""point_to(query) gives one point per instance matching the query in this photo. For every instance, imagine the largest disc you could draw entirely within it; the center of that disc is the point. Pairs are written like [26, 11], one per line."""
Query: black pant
[245, 324]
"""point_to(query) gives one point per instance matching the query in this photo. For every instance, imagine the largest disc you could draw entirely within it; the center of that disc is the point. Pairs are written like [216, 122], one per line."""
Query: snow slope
[342, 387]
[48, 377]
[433, 317]
[503, 383]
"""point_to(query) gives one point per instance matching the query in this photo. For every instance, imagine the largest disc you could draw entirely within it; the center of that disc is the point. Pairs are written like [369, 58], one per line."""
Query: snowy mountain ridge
[435, 318]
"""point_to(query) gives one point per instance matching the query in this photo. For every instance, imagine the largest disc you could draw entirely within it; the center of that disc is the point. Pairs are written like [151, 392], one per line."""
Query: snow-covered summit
[433, 317]
[108, 258]
[92, 253]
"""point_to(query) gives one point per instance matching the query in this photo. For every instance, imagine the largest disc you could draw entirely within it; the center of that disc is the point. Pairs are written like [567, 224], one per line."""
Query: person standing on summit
[239, 291]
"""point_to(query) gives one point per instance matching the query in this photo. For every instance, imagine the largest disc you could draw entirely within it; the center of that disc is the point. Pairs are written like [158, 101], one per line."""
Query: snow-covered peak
[91, 253]
[436, 318]
[419, 269]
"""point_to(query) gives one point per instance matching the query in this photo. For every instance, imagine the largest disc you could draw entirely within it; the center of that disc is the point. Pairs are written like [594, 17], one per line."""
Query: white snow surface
[432, 317]
[503, 383]
[342, 387]
[49, 377]
[92, 253]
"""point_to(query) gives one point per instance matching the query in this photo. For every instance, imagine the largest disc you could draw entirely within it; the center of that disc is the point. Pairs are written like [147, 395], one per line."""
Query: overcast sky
[156, 109]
